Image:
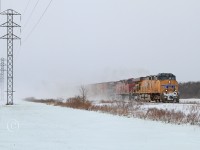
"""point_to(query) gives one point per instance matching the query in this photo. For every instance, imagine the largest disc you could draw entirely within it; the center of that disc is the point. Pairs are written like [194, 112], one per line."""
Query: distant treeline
[189, 90]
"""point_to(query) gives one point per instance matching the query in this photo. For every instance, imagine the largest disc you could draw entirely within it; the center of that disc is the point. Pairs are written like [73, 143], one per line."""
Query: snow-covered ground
[31, 126]
[197, 101]
[186, 106]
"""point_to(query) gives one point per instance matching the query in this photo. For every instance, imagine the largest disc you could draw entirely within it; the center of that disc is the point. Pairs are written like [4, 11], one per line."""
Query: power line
[31, 14]
[27, 37]
[26, 7]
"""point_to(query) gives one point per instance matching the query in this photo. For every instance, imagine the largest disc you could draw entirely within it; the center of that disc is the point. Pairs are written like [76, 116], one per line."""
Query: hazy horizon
[82, 42]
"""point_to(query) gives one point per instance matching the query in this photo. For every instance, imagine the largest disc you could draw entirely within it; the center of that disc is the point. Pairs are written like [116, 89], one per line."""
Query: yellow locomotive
[159, 88]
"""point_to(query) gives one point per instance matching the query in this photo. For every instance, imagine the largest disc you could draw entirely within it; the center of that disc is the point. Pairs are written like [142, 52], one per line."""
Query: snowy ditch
[32, 126]
[185, 113]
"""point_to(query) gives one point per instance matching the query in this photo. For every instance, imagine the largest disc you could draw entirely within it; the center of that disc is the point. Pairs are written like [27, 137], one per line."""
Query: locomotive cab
[168, 87]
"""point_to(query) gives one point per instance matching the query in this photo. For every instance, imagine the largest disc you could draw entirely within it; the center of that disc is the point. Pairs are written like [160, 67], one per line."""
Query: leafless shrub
[165, 115]
[193, 116]
[83, 91]
[46, 101]
[193, 119]
[75, 102]
[78, 103]
[194, 108]
[134, 106]
[116, 108]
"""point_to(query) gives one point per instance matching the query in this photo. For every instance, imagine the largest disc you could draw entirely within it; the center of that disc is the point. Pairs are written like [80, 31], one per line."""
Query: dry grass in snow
[131, 109]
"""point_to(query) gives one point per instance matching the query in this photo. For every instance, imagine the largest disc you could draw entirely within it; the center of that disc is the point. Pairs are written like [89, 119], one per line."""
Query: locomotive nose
[171, 96]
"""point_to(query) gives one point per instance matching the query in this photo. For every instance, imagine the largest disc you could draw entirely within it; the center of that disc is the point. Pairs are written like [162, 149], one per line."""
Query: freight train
[158, 88]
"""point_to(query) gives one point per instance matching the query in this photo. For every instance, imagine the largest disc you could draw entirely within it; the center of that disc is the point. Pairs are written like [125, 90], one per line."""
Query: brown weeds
[131, 109]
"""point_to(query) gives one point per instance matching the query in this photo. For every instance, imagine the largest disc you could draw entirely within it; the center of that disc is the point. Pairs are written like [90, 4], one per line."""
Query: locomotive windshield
[165, 76]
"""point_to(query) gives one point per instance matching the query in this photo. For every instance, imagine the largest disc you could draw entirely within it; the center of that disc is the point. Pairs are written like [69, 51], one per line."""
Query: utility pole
[2, 70]
[10, 25]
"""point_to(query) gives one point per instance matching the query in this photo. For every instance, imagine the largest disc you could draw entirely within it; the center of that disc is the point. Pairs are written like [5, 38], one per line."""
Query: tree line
[189, 90]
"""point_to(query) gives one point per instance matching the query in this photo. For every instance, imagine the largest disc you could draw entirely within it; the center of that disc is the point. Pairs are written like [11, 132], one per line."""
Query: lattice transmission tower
[10, 37]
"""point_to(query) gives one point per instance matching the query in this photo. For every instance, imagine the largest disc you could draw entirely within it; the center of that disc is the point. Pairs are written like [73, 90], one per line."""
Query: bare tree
[83, 91]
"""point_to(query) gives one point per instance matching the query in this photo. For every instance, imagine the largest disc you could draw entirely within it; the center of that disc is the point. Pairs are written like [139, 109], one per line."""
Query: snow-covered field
[197, 101]
[31, 126]
[185, 106]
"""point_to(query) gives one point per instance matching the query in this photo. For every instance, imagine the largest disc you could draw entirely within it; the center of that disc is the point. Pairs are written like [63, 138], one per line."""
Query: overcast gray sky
[88, 41]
